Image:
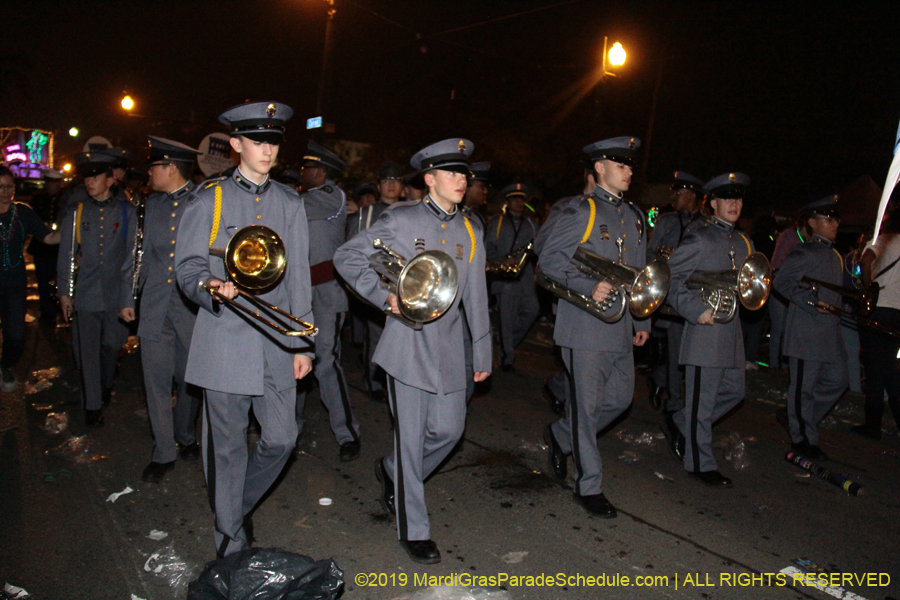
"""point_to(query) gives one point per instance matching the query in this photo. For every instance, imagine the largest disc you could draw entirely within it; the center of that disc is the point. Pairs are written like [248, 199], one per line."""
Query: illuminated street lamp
[127, 103]
[613, 57]
[73, 131]
[67, 167]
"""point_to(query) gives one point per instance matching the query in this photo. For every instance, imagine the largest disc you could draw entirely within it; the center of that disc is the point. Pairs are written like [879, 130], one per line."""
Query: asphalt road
[494, 510]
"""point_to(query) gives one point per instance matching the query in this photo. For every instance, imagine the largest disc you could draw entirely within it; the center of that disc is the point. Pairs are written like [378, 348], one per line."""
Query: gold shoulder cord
[499, 223]
[217, 215]
[840, 258]
[590, 225]
[471, 237]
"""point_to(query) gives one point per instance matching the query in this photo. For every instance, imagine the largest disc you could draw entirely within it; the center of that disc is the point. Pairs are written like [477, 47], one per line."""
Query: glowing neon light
[652, 216]
[16, 156]
[36, 145]
[13, 148]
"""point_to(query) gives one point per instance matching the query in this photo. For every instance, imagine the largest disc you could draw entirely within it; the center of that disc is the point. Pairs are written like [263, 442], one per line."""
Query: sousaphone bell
[255, 259]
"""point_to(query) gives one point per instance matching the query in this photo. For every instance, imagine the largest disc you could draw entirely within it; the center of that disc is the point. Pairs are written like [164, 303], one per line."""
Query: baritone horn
[721, 291]
[641, 291]
[255, 259]
[511, 265]
[425, 286]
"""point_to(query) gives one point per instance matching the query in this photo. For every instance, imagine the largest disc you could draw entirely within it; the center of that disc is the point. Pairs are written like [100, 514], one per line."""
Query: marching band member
[598, 355]
[425, 369]
[166, 315]
[713, 353]
[812, 335]
[237, 363]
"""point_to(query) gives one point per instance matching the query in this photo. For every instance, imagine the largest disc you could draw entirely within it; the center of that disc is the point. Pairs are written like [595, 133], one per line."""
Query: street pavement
[495, 512]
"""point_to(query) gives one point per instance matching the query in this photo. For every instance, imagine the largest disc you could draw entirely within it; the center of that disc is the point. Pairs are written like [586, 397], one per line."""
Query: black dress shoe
[349, 451]
[422, 551]
[387, 488]
[107, 397]
[248, 530]
[555, 456]
[674, 437]
[507, 368]
[873, 433]
[156, 471]
[190, 452]
[712, 478]
[598, 505]
[379, 397]
[93, 418]
[809, 451]
[557, 405]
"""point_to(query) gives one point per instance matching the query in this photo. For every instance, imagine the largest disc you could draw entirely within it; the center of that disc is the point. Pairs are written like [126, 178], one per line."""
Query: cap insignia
[462, 146]
[270, 110]
[631, 143]
[732, 178]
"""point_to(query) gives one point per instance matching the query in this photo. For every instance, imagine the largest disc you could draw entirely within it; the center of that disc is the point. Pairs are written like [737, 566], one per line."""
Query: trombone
[255, 260]
[866, 299]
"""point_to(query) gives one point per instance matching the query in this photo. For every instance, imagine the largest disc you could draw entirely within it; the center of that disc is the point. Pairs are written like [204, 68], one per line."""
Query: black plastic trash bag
[267, 574]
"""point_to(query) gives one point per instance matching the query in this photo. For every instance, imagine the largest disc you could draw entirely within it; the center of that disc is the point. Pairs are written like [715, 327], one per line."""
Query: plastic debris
[40, 386]
[56, 423]
[325, 501]
[629, 456]
[456, 593]
[51, 373]
[157, 535]
[258, 573]
[736, 451]
[642, 439]
[663, 477]
[117, 495]
[168, 569]
[133, 597]
[76, 447]
[42, 406]
[15, 593]
[512, 558]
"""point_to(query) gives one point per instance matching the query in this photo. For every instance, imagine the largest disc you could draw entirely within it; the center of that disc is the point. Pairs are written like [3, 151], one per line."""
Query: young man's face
[824, 226]
[516, 205]
[390, 189]
[312, 175]
[98, 185]
[160, 176]
[446, 186]
[476, 194]
[728, 210]
[7, 189]
[613, 176]
[684, 199]
[118, 175]
[257, 158]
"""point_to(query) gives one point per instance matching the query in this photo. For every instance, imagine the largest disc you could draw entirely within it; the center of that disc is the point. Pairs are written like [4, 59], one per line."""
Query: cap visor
[265, 137]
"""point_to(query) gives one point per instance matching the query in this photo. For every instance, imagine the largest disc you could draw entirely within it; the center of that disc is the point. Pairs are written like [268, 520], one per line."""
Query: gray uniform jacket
[432, 359]
[365, 218]
[505, 234]
[327, 217]
[547, 227]
[107, 238]
[809, 334]
[157, 277]
[706, 249]
[670, 229]
[597, 230]
[228, 352]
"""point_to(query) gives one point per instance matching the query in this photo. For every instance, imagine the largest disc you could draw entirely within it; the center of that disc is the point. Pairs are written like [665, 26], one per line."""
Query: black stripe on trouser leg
[342, 385]
[500, 328]
[367, 367]
[573, 424]
[798, 402]
[210, 457]
[400, 496]
[695, 449]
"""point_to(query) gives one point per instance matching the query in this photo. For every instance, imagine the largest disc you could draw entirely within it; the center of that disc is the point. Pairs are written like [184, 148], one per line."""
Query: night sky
[802, 96]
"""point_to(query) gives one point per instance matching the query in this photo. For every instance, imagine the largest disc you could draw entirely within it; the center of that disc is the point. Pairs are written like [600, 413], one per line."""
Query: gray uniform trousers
[330, 375]
[98, 336]
[674, 371]
[603, 383]
[374, 327]
[470, 364]
[711, 393]
[163, 360]
[815, 387]
[426, 428]
[559, 386]
[778, 310]
[235, 483]
[518, 308]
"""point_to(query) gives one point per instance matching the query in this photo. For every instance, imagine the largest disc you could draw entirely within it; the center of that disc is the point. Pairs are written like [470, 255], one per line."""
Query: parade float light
[73, 131]
[67, 167]
[127, 102]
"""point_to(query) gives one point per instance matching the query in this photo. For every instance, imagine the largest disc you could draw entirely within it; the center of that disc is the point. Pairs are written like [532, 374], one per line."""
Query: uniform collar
[245, 184]
[823, 241]
[328, 183]
[602, 194]
[182, 191]
[436, 210]
[724, 225]
[103, 202]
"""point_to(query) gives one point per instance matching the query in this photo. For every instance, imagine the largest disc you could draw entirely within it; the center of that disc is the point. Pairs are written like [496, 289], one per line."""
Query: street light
[73, 131]
[67, 167]
[127, 103]
[614, 57]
